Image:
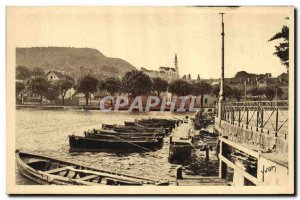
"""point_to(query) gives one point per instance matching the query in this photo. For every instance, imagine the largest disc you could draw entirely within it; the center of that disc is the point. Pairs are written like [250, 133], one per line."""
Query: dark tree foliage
[38, 72]
[159, 85]
[20, 88]
[136, 83]
[112, 84]
[237, 93]
[272, 91]
[282, 49]
[87, 85]
[23, 73]
[39, 86]
[216, 90]
[52, 92]
[201, 88]
[256, 91]
[63, 86]
[269, 93]
[180, 87]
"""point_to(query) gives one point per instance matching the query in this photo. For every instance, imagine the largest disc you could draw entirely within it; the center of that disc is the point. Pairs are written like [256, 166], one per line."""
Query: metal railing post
[276, 123]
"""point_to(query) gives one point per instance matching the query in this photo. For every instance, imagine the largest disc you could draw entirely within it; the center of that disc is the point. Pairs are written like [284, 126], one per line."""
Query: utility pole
[245, 90]
[221, 94]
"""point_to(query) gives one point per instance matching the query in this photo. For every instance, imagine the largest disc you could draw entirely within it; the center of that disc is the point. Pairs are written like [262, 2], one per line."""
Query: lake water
[45, 132]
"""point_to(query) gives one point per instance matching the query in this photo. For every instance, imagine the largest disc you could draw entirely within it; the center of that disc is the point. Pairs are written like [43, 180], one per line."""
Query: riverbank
[89, 107]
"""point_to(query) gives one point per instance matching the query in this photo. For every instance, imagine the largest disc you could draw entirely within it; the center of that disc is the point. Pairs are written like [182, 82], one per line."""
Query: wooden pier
[202, 181]
[257, 132]
[181, 147]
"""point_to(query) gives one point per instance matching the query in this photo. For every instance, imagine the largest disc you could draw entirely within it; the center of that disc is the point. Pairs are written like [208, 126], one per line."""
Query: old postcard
[154, 100]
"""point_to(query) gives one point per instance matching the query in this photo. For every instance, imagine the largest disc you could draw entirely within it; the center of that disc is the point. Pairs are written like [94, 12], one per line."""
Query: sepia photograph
[150, 100]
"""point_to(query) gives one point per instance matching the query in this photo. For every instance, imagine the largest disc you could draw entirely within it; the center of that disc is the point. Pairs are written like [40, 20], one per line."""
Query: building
[57, 76]
[54, 76]
[167, 73]
[262, 82]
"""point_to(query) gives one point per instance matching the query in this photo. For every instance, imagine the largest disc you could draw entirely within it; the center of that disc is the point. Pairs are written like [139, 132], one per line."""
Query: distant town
[53, 87]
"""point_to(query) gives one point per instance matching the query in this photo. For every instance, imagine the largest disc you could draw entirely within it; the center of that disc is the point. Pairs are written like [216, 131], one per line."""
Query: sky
[150, 36]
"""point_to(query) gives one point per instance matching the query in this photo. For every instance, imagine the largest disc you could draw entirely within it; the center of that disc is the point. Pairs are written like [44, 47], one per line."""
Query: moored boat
[47, 171]
[132, 127]
[111, 134]
[90, 144]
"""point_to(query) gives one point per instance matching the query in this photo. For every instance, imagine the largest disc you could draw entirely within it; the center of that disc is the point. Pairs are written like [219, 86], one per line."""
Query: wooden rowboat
[90, 144]
[47, 171]
[134, 128]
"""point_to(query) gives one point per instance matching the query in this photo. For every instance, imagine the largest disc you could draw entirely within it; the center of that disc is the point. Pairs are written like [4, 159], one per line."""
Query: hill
[76, 61]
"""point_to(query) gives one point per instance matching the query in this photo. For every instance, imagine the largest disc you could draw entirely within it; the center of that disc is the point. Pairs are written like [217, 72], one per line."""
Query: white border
[4, 3]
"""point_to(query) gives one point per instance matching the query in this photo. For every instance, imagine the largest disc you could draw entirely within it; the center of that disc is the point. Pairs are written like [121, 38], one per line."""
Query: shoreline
[89, 107]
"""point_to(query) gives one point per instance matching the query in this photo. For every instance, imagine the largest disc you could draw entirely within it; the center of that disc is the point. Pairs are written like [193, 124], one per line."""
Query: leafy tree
[201, 88]
[112, 84]
[159, 85]
[237, 93]
[136, 83]
[39, 86]
[282, 49]
[20, 87]
[227, 90]
[38, 72]
[52, 92]
[256, 91]
[22, 73]
[180, 87]
[283, 79]
[87, 85]
[269, 92]
[241, 76]
[272, 91]
[279, 92]
[63, 86]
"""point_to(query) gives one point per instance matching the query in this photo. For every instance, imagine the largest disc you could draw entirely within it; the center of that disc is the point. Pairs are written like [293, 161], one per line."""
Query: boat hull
[86, 144]
[48, 171]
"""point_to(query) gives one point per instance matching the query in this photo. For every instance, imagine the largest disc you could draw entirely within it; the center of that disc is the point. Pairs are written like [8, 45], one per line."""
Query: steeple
[176, 64]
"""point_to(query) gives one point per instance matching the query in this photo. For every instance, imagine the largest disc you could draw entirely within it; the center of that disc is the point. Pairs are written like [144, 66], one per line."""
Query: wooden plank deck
[202, 181]
[181, 132]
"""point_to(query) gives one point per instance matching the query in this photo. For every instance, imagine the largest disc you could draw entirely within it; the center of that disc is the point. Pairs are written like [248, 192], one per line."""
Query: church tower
[176, 64]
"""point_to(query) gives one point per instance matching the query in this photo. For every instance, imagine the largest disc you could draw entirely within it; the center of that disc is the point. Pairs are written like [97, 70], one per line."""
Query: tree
[38, 72]
[87, 85]
[256, 91]
[52, 92]
[180, 87]
[159, 85]
[272, 91]
[39, 86]
[237, 93]
[242, 76]
[22, 73]
[136, 83]
[63, 86]
[20, 87]
[279, 92]
[227, 91]
[201, 88]
[282, 50]
[112, 84]
[269, 93]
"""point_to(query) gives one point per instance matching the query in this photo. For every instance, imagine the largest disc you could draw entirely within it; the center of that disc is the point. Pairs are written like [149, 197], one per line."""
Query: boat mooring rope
[131, 143]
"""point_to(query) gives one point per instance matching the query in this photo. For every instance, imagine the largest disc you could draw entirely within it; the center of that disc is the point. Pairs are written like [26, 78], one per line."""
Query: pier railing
[266, 116]
[225, 162]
